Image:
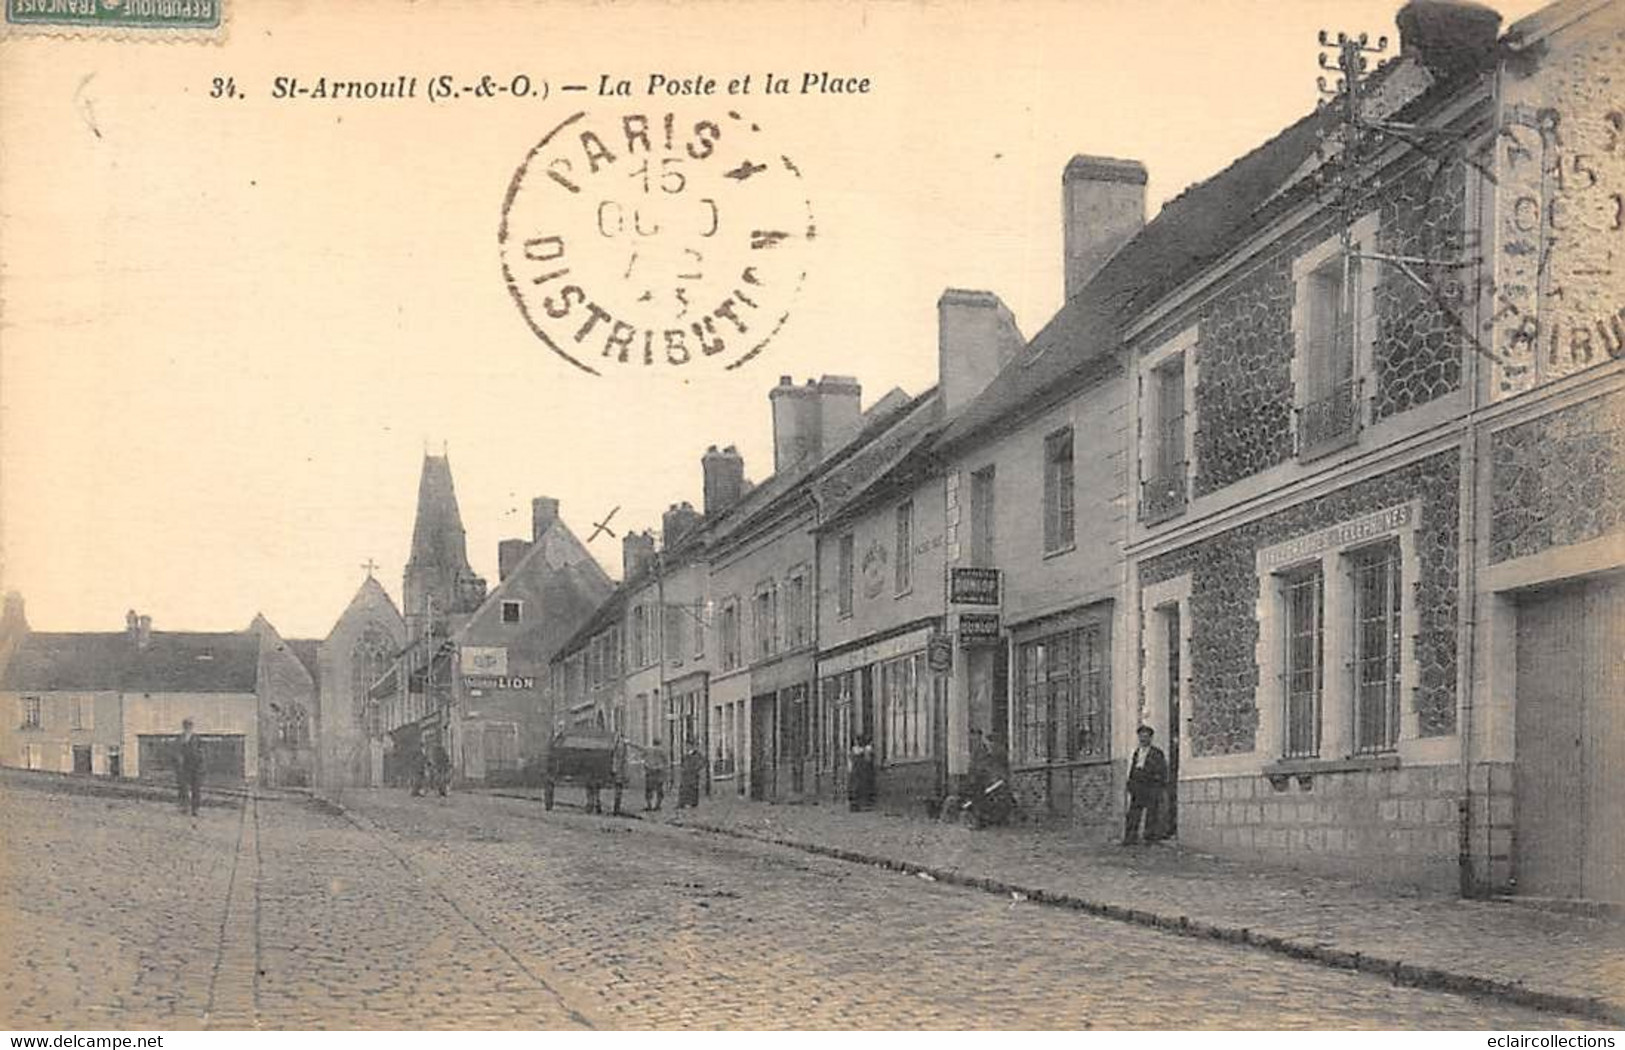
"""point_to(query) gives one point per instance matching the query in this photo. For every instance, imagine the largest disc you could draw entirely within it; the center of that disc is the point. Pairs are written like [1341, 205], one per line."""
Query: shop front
[884, 693]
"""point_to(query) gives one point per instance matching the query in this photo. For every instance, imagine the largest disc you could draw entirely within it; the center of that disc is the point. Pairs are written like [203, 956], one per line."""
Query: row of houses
[112, 703]
[1319, 473]
[461, 668]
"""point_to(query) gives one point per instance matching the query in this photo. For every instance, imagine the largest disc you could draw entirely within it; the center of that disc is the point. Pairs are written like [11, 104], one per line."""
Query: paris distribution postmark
[653, 240]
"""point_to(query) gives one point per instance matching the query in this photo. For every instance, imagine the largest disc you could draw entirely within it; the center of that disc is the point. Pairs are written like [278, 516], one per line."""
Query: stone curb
[1400, 972]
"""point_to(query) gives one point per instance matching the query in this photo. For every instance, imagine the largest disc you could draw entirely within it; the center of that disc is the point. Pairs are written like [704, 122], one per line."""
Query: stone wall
[1244, 392]
[1419, 342]
[1558, 479]
[1223, 672]
[1244, 378]
[1335, 823]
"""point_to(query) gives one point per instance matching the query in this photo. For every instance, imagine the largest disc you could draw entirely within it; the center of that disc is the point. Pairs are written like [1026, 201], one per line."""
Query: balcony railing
[1163, 497]
[1331, 422]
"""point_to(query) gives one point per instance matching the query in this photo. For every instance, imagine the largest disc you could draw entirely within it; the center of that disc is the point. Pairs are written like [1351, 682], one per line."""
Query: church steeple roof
[437, 535]
[437, 572]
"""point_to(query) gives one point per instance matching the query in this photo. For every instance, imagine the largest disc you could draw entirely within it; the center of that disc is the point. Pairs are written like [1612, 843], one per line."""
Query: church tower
[439, 584]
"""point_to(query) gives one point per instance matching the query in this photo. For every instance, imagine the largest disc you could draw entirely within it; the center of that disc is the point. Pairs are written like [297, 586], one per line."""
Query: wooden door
[1570, 823]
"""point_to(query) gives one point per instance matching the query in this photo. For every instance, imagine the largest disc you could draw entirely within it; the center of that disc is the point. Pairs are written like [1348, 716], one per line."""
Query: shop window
[1062, 697]
[905, 695]
[1304, 675]
[1058, 481]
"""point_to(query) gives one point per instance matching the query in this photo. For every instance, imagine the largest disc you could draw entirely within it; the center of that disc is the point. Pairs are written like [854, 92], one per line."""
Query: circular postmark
[654, 240]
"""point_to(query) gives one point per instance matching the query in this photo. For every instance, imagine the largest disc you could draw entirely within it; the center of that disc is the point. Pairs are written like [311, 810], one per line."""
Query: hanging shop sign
[979, 628]
[973, 586]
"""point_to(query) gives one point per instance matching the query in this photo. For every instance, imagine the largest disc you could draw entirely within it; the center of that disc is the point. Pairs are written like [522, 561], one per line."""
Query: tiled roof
[751, 508]
[172, 662]
[305, 649]
[1192, 231]
[843, 490]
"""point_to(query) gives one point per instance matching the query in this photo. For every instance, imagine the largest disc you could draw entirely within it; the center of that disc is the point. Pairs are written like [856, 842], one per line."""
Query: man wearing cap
[189, 767]
[1147, 780]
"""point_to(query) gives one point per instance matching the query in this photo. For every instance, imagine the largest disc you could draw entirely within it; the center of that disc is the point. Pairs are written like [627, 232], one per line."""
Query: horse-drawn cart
[591, 758]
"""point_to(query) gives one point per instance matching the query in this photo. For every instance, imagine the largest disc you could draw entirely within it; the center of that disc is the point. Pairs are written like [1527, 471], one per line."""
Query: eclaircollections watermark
[650, 240]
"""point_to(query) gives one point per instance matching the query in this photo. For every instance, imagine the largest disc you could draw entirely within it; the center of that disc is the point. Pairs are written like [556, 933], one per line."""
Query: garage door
[223, 757]
[1570, 805]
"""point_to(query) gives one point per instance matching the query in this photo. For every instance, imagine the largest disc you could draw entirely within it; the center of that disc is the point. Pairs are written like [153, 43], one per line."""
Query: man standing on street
[1147, 780]
[654, 776]
[189, 767]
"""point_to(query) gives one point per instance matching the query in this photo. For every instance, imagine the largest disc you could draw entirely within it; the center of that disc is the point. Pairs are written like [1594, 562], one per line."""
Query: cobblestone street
[484, 912]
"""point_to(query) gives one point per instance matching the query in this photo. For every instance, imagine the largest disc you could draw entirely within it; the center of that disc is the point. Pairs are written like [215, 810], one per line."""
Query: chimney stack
[139, 628]
[509, 554]
[840, 412]
[1449, 36]
[544, 511]
[796, 425]
[976, 336]
[15, 617]
[677, 524]
[637, 550]
[724, 474]
[1102, 206]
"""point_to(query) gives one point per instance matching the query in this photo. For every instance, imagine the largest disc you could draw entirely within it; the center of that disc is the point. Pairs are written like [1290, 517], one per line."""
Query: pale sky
[229, 327]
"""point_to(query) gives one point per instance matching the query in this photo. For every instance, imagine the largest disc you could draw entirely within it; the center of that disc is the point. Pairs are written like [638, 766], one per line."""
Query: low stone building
[112, 703]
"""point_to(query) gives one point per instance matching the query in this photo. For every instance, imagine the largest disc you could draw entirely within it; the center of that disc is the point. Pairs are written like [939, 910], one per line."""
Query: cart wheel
[547, 796]
[967, 818]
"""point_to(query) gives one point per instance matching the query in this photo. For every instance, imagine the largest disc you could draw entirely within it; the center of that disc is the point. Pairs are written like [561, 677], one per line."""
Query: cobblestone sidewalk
[1549, 959]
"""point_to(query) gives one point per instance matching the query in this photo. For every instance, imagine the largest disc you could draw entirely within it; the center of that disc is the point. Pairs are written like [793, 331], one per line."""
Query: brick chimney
[15, 618]
[1449, 36]
[679, 521]
[509, 554]
[1102, 206]
[139, 629]
[724, 474]
[544, 511]
[840, 412]
[637, 550]
[796, 425]
[976, 336]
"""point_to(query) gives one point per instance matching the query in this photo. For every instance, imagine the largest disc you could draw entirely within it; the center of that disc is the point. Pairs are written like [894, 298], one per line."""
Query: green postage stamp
[129, 18]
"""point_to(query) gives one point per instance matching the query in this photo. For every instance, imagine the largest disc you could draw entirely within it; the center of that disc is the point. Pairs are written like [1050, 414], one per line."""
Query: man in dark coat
[1147, 781]
[692, 771]
[439, 768]
[654, 776]
[189, 767]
